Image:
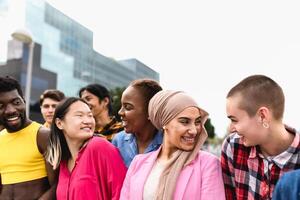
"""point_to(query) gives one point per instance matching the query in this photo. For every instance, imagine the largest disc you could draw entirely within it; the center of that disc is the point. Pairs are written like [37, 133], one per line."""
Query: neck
[74, 147]
[47, 124]
[278, 141]
[144, 138]
[166, 152]
[102, 119]
[27, 123]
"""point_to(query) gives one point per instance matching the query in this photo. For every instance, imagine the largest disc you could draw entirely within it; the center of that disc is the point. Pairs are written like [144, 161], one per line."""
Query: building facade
[67, 49]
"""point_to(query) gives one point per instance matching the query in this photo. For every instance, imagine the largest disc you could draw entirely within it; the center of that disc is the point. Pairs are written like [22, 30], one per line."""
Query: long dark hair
[58, 149]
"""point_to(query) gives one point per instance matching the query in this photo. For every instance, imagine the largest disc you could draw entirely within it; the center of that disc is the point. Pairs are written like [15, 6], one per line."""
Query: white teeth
[188, 139]
[12, 119]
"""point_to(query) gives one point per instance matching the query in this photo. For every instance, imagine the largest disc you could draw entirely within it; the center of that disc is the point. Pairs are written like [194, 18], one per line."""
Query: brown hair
[147, 87]
[52, 94]
[257, 91]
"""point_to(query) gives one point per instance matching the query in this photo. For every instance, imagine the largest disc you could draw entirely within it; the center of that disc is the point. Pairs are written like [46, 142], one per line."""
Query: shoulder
[100, 143]
[120, 138]
[233, 143]
[207, 159]
[291, 177]
[43, 134]
[231, 139]
[285, 189]
[120, 135]
[140, 159]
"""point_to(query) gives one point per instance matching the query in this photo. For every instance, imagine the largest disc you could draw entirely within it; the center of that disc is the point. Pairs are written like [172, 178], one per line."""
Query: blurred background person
[89, 167]
[139, 135]
[48, 102]
[100, 102]
[179, 169]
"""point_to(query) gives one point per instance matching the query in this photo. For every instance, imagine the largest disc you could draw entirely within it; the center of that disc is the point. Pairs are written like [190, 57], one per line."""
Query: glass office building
[67, 49]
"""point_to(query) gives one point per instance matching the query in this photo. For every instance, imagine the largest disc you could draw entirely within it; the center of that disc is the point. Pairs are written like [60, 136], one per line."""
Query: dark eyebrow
[82, 112]
[189, 118]
[17, 98]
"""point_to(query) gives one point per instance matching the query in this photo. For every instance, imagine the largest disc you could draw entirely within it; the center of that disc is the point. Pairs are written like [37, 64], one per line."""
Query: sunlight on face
[133, 111]
[79, 123]
[183, 131]
[249, 128]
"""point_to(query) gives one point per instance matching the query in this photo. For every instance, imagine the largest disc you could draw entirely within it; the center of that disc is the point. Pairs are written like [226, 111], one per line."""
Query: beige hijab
[163, 107]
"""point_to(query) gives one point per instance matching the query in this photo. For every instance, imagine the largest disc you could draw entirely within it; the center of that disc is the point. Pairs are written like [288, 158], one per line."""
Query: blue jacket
[126, 143]
[288, 186]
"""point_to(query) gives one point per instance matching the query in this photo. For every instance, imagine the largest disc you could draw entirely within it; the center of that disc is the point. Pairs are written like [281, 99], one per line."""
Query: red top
[98, 173]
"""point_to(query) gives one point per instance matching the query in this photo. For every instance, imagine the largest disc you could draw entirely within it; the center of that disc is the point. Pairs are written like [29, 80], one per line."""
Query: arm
[0, 184]
[117, 171]
[42, 141]
[212, 186]
[228, 170]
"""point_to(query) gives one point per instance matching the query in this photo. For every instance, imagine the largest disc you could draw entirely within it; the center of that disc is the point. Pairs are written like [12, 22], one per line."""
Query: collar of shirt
[157, 141]
[283, 158]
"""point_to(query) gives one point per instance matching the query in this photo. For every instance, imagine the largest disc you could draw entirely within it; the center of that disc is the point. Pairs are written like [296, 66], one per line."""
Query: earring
[265, 125]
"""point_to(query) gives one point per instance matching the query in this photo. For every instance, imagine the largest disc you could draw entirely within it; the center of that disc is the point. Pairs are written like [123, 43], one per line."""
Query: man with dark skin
[24, 172]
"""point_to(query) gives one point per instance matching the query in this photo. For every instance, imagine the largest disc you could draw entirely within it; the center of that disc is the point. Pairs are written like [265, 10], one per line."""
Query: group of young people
[154, 153]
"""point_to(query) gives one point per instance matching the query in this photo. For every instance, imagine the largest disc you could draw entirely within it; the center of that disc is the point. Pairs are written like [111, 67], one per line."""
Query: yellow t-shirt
[20, 159]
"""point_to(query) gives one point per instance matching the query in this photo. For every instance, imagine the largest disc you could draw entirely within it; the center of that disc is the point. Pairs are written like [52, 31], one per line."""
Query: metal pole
[29, 78]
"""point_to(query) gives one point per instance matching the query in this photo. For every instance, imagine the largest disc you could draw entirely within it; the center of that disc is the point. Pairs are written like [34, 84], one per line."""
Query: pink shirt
[201, 179]
[98, 173]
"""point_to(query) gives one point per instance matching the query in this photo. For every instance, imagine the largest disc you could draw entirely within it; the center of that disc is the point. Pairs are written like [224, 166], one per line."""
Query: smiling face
[249, 128]
[96, 105]
[183, 131]
[133, 110]
[78, 123]
[12, 111]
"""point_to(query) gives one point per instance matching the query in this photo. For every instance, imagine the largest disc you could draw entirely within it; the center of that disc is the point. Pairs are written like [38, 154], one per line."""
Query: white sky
[201, 47]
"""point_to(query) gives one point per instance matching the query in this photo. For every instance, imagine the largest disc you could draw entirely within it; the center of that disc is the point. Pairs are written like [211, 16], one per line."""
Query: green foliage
[116, 95]
[209, 128]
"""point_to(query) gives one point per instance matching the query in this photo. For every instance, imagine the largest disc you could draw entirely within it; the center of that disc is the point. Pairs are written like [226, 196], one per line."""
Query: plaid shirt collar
[283, 158]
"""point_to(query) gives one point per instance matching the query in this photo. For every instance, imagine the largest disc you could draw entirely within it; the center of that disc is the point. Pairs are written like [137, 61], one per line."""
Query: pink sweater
[201, 179]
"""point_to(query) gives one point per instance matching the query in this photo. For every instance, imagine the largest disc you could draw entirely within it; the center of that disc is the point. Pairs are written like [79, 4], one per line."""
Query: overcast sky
[201, 47]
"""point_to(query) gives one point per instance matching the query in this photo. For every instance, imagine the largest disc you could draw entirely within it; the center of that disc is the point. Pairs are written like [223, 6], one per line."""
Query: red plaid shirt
[248, 175]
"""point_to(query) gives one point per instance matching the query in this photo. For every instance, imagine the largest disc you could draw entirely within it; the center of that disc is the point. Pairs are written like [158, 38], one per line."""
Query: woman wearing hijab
[178, 169]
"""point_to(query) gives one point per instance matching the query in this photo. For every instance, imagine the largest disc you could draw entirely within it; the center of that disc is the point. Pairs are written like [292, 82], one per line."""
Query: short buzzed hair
[8, 83]
[147, 87]
[257, 91]
[53, 94]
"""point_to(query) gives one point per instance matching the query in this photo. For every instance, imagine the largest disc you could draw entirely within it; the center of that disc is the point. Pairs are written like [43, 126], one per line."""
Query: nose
[193, 129]
[9, 109]
[88, 120]
[121, 111]
[231, 128]
[51, 109]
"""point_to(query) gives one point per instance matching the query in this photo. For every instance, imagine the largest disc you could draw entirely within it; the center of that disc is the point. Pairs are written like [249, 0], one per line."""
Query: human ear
[59, 124]
[106, 101]
[263, 113]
